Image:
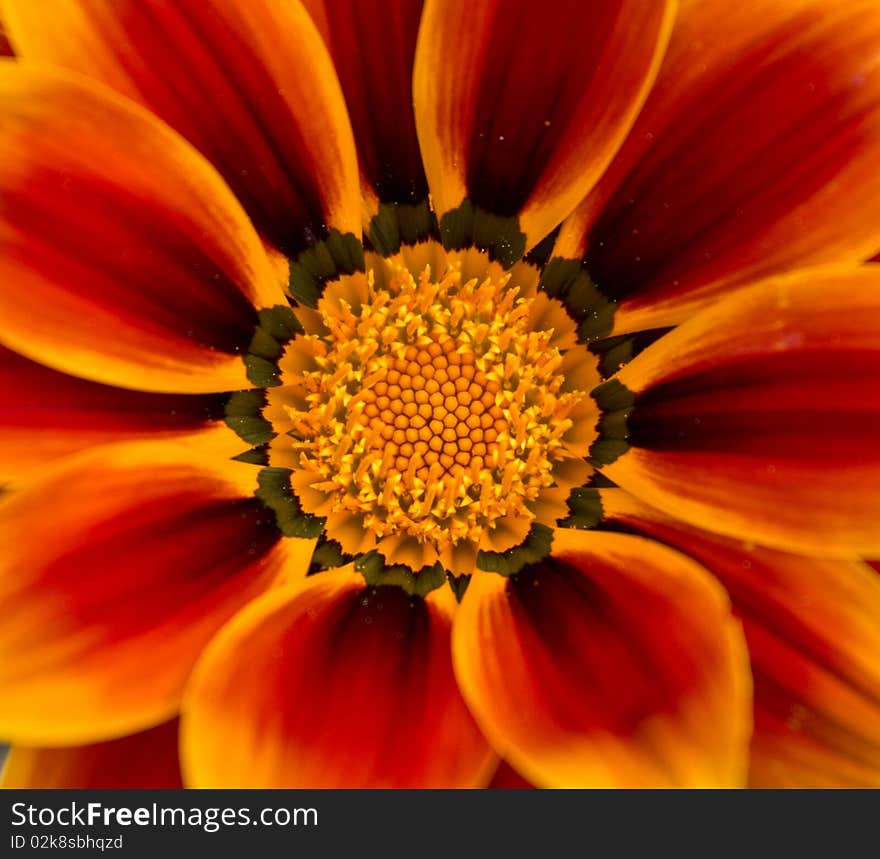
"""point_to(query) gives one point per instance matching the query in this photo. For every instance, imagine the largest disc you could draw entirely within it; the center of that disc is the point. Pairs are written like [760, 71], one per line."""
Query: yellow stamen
[432, 411]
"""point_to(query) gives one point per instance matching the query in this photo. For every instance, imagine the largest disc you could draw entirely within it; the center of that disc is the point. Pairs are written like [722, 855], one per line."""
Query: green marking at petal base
[585, 507]
[542, 251]
[338, 254]
[459, 584]
[569, 281]
[243, 415]
[612, 396]
[276, 327]
[398, 224]
[373, 568]
[275, 492]
[615, 402]
[280, 323]
[604, 451]
[262, 372]
[254, 456]
[614, 352]
[600, 481]
[265, 346]
[328, 554]
[534, 548]
[470, 226]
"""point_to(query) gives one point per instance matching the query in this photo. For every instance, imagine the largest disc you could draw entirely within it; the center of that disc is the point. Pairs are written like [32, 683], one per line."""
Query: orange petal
[45, 415]
[119, 565]
[373, 45]
[759, 417]
[521, 110]
[249, 84]
[615, 662]
[140, 761]
[813, 631]
[332, 684]
[755, 153]
[126, 260]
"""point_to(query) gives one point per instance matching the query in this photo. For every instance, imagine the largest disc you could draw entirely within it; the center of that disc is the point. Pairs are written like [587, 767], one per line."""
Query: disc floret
[430, 416]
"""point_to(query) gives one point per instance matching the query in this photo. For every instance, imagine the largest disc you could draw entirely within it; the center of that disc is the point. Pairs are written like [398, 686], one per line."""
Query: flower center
[429, 417]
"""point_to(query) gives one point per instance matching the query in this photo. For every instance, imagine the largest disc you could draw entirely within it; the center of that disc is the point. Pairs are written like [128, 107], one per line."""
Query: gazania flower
[390, 392]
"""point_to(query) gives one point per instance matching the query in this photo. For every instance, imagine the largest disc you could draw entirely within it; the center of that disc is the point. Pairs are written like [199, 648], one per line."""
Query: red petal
[45, 415]
[373, 45]
[145, 761]
[126, 260]
[119, 565]
[249, 84]
[522, 109]
[613, 663]
[755, 153]
[759, 418]
[332, 684]
[813, 631]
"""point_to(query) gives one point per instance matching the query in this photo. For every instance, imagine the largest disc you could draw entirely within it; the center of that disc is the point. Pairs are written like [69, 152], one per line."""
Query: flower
[386, 398]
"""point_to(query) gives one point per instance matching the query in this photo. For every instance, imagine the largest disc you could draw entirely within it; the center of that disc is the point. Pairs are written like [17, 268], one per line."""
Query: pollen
[430, 414]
